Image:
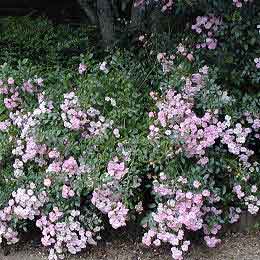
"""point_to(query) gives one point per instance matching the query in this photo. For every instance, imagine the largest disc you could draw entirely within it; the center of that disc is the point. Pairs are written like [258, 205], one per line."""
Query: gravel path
[234, 247]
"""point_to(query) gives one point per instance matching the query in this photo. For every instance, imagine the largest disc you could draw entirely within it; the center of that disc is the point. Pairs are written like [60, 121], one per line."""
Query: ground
[241, 246]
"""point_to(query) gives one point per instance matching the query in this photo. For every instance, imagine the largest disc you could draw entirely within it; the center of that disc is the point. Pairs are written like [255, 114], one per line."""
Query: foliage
[40, 40]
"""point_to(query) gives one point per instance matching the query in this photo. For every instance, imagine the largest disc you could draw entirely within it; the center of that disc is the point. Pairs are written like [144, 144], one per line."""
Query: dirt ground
[234, 247]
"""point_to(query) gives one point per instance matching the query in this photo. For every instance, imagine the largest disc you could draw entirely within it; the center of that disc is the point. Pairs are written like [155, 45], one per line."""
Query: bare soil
[240, 246]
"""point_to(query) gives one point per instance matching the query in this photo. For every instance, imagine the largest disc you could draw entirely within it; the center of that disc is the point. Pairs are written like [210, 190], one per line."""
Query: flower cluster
[167, 61]
[191, 134]
[4, 125]
[11, 94]
[82, 68]
[26, 147]
[235, 138]
[167, 4]
[257, 63]
[63, 235]
[90, 123]
[249, 198]
[116, 169]
[239, 3]
[194, 135]
[181, 210]
[108, 199]
[207, 26]
[25, 204]
[234, 214]
[182, 50]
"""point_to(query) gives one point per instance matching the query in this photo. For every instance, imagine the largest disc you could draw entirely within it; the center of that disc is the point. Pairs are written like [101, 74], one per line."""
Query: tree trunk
[89, 11]
[137, 14]
[155, 19]
[106, 22]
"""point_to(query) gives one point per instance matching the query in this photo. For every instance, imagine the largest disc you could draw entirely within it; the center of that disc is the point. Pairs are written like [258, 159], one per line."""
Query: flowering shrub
[164, 138]
[68, 160]
[183, 202]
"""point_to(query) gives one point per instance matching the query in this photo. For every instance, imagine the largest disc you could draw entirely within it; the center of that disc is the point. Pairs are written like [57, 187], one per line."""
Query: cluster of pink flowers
[167, 60]
[63, 235]
[26, 146]
[116, 169]
[90, 123]
[193, 135]
[180, 211]
[254, 122]
[27, 121]
[176, 120]
[235, 139]
[26, 151]
[238, 190]
[234, 214]
[29, 87]
[82, 68]
[239, 3]
[13, 101]
[182, 50]
[250, 199]
[12, 98]
[212, 241]
[181, 123]
[139, 207]
[67, 192]
[4, 125]
[257, 63]
[25, 204]
[108, 199]
[54, 167]
[68, 167]
[182, 205]
[207, 26]
[167, 4]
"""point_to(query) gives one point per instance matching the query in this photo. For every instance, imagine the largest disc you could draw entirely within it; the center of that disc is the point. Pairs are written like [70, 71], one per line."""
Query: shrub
[70, 151]
[157, 138]
[41, 41]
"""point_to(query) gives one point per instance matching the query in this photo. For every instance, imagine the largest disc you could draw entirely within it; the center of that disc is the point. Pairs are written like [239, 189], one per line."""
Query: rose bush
[166, 137]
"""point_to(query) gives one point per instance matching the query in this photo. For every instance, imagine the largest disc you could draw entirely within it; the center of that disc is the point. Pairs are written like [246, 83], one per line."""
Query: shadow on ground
[234, 247]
